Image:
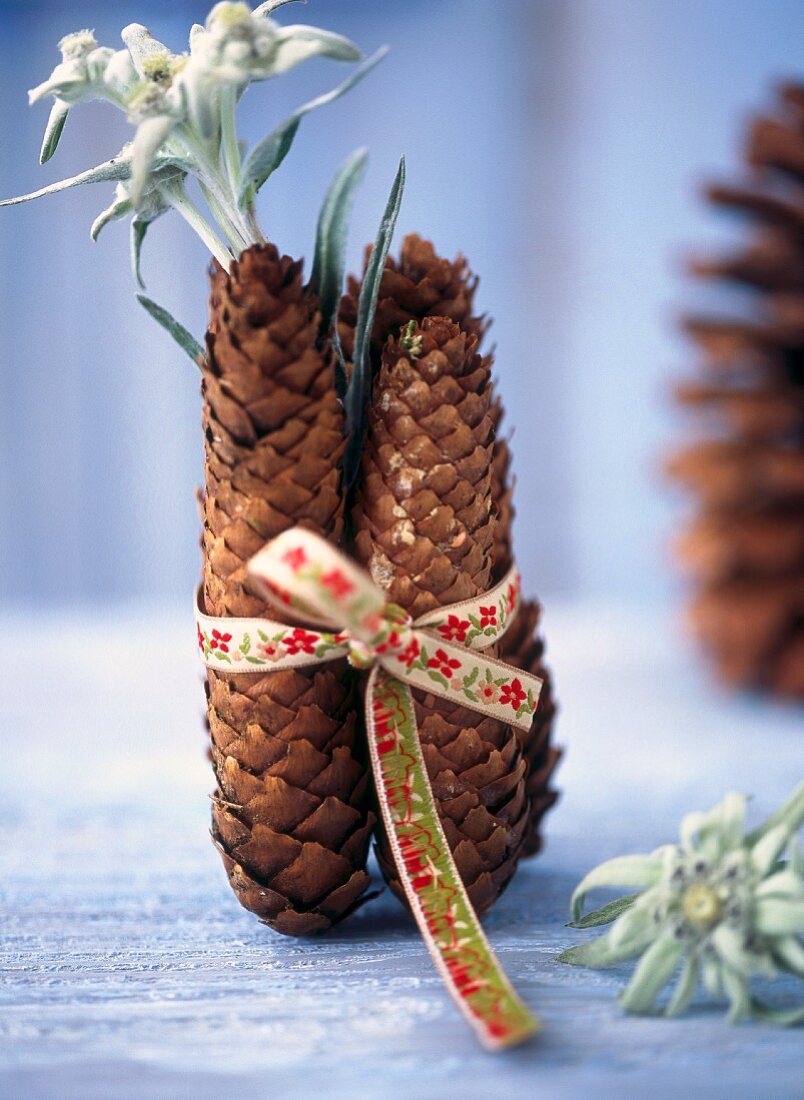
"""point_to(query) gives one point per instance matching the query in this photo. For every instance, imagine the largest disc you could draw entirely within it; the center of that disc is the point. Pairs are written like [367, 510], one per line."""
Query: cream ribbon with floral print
[439, 653]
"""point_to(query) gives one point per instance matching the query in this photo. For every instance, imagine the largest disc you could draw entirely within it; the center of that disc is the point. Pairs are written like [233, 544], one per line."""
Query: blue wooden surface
[129, 971]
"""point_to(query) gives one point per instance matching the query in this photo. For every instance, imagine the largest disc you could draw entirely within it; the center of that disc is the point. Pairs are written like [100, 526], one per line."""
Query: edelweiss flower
[80, 75]
[720, 906]
[237, 46]
[184, 109]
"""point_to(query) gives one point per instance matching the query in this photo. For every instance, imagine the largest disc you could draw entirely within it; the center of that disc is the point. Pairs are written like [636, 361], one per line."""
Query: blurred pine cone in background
[745, 549]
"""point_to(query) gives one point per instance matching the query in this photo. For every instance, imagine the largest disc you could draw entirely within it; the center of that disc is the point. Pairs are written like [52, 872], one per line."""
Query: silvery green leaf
[653, 972]
[118, 209]
[790, 813]
[183, 338]
[598, 954]
[685, 988]
[790, 954]
[641, 871]
[782, 1017]
[272, 5]
[118, 168]
[142, 45]
[768, 848]
[779, 916]
[299, 43]
[268, 154]
[53, 130]
[151, 134]
[341, 370]
[359, 390]
[605, 914]
[737, 993]
[139, 227]
[330, 243]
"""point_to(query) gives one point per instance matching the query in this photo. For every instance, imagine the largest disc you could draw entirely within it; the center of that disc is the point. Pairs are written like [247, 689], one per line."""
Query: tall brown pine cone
[290, 816]
[745, 549]
[421, 284]
[424, 528]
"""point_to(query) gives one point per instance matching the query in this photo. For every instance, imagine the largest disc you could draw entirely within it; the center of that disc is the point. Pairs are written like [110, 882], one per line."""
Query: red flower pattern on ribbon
[513, 694]
[454, 629]
[393, 641]
[201, 640]
[443, 663]
[409, 653]
[295, 558]
[488, 616]
[220, 641]
[339, 585]
[300, 641]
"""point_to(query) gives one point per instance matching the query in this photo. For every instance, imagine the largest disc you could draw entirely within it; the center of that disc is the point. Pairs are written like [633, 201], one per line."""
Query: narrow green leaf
[138, 230]
[600, 953]
[118, 168]
[606, 913]
[53, 130]
[329, 262]
[768, 848]
[359, 391]
[790, 814]
[118, 209]
[183, 338]
[268, 154]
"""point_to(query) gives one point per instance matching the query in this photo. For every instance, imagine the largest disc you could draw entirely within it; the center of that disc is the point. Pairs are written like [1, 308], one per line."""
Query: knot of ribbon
[332, 609]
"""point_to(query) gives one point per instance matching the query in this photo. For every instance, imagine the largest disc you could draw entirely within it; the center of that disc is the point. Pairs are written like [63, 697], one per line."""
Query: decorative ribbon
[439, 653]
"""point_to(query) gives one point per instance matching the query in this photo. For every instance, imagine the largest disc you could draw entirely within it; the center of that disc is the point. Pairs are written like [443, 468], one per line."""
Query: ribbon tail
[428, 874]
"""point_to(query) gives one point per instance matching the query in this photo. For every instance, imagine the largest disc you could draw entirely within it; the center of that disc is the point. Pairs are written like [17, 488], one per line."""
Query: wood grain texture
[129, 970]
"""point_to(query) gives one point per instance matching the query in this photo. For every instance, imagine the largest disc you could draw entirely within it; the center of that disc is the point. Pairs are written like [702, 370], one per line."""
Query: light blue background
[557, 142]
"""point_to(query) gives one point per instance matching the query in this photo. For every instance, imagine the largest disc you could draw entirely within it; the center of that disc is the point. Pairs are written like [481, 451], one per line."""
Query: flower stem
[176, 196]
[229, 145]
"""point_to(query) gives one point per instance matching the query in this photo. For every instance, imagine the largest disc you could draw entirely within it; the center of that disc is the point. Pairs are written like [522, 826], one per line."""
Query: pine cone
[290, 815]
[424, 528]
[422, 284]
[745, 549]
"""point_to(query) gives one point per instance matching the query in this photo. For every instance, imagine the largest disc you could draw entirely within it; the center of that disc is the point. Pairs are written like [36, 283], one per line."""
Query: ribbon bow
[440, 653]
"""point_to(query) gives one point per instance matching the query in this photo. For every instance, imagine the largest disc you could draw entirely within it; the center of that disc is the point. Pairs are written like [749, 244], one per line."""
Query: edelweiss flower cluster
[183, 107]
[720, 906]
